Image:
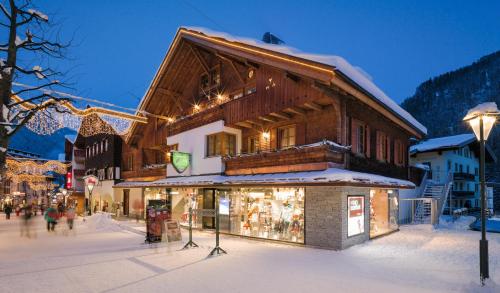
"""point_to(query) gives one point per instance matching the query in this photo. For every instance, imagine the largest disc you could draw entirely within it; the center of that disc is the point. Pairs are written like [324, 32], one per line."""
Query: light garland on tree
[88, 122]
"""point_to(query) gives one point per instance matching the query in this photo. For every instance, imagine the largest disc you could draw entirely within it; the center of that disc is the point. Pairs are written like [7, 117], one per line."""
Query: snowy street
[108, 256]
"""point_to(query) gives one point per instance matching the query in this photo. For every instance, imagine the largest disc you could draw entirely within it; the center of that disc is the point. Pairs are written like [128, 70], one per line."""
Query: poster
[355, 215]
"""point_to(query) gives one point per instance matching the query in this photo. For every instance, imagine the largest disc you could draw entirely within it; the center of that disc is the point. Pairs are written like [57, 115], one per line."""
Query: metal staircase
[440, 192]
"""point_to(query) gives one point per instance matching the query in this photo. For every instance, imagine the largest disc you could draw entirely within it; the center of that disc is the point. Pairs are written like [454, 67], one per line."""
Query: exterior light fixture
[482, 119]
[90, 181]
[266, 135]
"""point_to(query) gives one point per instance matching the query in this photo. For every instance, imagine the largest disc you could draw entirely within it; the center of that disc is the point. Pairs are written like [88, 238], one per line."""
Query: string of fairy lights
[64, 114]
[34, 173]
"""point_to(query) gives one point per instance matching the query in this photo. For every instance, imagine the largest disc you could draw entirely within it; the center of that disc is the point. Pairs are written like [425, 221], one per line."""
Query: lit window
[286, 137]
[221, 144]
[253, 144]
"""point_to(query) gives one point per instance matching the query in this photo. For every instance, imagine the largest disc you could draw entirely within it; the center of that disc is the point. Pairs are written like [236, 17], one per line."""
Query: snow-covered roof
[482, 109]
[332, 176]
[354, 73]
[445, 142]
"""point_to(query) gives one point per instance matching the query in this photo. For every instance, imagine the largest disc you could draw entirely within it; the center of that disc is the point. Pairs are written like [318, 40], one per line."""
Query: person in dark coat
[51, 216]
[8, 211]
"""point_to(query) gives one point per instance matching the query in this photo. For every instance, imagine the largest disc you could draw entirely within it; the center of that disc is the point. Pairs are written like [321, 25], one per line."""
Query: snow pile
[481, 109]
[461, 223]
[38, 14]
[101, 222]
[360, 78]
[443, 142]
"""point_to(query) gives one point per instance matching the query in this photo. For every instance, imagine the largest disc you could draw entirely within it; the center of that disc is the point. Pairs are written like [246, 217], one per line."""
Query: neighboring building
[102, 154]
[454, 158]
[76, 172]
[21, 192]
[299, 148]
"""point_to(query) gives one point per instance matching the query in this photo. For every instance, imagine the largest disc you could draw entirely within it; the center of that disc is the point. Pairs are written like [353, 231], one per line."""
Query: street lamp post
[91, 181]
[482, 118]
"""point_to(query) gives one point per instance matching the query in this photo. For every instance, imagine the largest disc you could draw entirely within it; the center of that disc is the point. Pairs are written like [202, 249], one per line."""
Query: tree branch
[4, 10]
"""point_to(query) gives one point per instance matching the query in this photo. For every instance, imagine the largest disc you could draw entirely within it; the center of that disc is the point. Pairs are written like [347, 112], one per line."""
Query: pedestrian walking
[18, 210]
[51, 216]
[70, 217]
[25, 226]
[8, 210]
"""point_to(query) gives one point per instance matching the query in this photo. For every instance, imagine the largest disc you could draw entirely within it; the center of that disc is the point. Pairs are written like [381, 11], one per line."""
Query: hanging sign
[181, 161]
[69, 180]
[355, 215]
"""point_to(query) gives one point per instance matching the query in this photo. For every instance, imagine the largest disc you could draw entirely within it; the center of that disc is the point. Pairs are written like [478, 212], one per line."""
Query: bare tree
[28, 46]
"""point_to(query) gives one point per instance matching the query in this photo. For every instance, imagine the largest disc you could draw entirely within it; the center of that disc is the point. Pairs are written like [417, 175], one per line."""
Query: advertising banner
[355, 215]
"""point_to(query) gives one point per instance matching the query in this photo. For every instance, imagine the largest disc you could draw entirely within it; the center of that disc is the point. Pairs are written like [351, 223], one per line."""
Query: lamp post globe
[481, 119]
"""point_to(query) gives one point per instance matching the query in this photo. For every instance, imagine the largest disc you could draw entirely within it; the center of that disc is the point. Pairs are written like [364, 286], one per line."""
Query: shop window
[221, 144]
[253, 144]
[271, 213]
[286, 137]
[384, 211]
[355, 215]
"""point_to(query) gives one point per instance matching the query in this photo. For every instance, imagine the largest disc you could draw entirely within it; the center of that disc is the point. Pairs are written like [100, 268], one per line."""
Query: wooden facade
[278, 102]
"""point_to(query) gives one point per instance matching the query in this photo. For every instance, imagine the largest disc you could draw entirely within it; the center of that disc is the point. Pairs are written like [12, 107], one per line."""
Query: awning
[331, 176]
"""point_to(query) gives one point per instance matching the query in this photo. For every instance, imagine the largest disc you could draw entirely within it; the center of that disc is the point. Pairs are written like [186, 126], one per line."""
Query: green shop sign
[181, 161]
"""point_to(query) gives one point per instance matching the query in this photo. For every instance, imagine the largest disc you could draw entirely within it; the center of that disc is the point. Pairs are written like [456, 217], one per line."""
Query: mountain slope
[48, 146]
[441, 103]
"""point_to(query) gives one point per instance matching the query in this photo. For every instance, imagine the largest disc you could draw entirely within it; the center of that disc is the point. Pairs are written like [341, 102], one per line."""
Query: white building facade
[456, 159]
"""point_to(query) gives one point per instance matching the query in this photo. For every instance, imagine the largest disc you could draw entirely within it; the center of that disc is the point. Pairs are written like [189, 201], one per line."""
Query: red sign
[69, 180]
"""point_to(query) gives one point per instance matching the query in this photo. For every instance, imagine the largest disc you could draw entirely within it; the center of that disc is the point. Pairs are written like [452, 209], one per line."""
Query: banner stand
[190, 243]
[217, 250]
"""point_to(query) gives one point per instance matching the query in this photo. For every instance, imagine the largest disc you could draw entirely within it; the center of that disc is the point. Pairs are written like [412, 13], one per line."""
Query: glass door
[208, 203]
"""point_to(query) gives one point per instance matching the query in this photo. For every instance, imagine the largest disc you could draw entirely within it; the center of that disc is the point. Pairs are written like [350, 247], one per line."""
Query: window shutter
[354, 136]
[368, 141]
[388, 146]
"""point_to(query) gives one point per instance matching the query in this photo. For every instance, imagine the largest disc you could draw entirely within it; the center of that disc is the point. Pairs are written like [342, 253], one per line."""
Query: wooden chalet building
[299, 148]
[102, 158]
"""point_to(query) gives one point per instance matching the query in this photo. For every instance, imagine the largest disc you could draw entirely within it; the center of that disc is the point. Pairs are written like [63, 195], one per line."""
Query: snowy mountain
[48, 146]
[441, 103]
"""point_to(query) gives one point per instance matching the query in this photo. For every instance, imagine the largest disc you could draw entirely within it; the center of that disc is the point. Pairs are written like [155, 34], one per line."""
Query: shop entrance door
[126, 200]
[208, 203]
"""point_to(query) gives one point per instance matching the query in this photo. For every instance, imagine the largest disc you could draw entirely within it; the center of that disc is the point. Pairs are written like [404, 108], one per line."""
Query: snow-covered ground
[108, 256]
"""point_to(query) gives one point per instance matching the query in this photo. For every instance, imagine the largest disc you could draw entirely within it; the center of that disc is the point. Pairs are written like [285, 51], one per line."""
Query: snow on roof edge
[338, 62]
[442, 142]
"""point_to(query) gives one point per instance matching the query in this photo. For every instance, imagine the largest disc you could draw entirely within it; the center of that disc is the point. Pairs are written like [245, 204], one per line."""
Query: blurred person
[8, 210]
[70, 217]
[18, 210]
[51, 216]
[26, 223]
[60, 209]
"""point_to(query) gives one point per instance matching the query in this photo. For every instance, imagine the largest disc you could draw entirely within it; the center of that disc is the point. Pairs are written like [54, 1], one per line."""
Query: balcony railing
[463, 193]
[464, 176]
[374, 166]
[145, 172]
[311, 157]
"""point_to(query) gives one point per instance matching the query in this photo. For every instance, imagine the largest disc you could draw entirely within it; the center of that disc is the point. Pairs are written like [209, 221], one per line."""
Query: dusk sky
[118, 45]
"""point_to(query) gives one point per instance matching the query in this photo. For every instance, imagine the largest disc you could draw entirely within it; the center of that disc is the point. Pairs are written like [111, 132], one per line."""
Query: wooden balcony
[319, 156]
[145, 173]
[204, 117]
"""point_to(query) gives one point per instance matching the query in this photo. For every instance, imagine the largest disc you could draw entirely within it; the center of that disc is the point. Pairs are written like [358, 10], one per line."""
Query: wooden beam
[296, 111]
[267, 119]
[233, 66]
[313, 106]
[200, 59]
[167, 92]
[281, 116]
[244, 124]
[254, 123]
